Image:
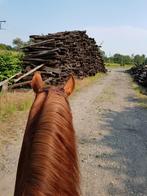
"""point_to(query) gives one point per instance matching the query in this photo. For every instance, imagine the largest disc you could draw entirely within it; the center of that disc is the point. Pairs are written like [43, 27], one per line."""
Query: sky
[120, 26]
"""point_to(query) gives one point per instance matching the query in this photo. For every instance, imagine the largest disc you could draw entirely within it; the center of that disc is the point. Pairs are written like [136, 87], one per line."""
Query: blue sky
[120, 25]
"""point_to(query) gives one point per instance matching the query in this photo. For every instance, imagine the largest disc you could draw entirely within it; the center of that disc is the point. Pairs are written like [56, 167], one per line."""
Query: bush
[10, 63]
[6, 47]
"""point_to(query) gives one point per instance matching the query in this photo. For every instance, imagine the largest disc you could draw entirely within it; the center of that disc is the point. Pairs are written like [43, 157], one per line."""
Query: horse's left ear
[69, 86]
[37, 82]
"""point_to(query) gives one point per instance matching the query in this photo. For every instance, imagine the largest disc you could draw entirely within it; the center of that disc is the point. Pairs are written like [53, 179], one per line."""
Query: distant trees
[140, 59]
[126, 59]
[19, 44]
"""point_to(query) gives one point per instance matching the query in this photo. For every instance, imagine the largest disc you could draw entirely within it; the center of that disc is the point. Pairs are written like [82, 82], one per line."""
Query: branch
[28, 73]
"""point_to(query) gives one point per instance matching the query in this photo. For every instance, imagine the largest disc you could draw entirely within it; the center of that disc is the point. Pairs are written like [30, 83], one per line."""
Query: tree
[118, 58]
[18, 43]
[103, 55]
[127, 59]
[145, 62]
[139, 59]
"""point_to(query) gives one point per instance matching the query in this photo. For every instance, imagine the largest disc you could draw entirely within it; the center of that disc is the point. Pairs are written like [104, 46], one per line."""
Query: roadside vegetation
[10, 63]
[12, 102]
[117, 65]
[123, 60]
[80, 84]
[141, 94]
[11, 58]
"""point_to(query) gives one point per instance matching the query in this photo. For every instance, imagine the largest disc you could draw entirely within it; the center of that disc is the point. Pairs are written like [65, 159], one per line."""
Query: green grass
[87, 81]
[116, 65]
[13, 102]
[139, 89]
[141, 94]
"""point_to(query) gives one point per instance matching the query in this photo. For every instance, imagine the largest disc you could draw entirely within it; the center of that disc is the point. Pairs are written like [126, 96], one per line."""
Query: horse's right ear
[37, 82]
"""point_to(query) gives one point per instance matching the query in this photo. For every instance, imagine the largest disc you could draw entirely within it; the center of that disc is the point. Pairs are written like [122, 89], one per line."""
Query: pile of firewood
[139, 74]
[61, 54]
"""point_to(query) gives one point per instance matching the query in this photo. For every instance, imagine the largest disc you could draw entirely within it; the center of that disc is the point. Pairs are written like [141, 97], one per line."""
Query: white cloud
[120, 39]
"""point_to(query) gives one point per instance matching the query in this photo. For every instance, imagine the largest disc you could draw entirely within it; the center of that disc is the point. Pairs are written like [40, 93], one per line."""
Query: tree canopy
[126, 59]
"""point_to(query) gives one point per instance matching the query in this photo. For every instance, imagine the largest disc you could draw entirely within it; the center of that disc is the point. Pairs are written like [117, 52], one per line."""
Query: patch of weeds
[141, 95]
[12, 102]
[88, 81]
[117, 65]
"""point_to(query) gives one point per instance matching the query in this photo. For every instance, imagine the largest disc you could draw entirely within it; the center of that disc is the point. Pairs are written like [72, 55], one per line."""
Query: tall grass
[117, 65]
[87, 81]
[11, 102]
[141, 94]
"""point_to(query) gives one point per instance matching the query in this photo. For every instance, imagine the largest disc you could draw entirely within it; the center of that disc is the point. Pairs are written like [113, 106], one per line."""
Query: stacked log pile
[61, 54]
[139, 74]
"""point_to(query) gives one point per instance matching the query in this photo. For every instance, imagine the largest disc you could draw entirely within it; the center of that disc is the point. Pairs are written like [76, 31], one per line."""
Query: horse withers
[48, 163]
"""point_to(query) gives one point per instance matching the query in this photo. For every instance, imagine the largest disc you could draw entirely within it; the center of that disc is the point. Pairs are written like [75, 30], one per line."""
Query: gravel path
[112, 131]
[111, 128]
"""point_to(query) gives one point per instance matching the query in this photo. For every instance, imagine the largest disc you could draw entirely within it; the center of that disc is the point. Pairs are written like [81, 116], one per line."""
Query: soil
[111, 128]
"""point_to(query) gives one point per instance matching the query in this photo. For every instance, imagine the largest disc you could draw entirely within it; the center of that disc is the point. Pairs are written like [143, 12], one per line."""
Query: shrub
[10, 63]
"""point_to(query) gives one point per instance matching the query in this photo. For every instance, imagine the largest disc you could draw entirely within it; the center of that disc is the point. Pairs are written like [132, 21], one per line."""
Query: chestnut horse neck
[48, 163]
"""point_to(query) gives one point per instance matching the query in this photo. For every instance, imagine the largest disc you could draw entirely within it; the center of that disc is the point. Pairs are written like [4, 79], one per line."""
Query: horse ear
[69, 86]
[37, 82]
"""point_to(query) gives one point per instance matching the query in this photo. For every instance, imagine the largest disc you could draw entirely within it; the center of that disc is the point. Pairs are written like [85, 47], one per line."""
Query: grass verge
[13, 102]
[141, 94]
[87, 81]
[116, 65]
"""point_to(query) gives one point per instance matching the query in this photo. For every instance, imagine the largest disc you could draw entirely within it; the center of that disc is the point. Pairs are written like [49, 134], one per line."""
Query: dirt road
[111, 128]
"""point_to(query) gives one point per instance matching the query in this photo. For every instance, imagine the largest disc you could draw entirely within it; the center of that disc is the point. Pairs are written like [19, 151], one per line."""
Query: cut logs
[139, 74]
[61, 54]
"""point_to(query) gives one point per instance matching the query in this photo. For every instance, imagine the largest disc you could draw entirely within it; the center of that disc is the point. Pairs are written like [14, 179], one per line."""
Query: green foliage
[5, 47]
[126, 59]
[139, 59]
[117, 65]
[121, 59]
[19, 44]
[112, 65]
[10, 62]
[117, 58]
[11, 58]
